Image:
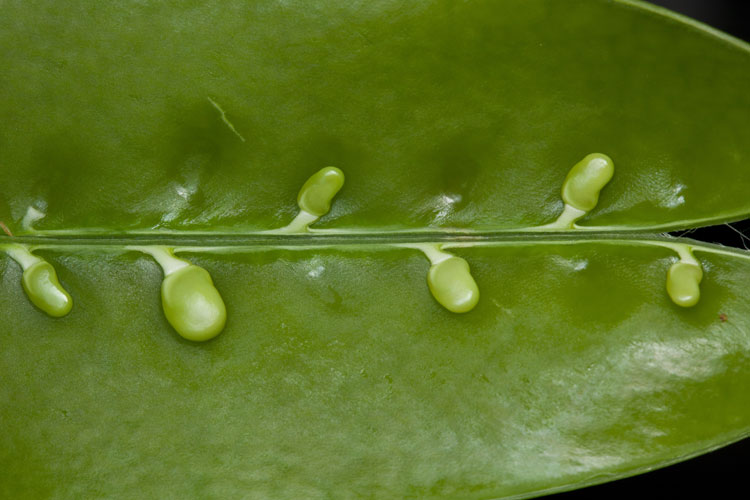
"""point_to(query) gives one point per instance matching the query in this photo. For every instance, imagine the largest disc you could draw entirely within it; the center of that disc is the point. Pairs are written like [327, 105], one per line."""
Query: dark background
[730, 16]
[722, 473]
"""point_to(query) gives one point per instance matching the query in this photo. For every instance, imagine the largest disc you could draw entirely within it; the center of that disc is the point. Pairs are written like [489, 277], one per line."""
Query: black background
[722, 473]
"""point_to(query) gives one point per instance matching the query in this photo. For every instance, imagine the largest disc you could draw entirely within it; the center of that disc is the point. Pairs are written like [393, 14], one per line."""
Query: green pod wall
[190, 127]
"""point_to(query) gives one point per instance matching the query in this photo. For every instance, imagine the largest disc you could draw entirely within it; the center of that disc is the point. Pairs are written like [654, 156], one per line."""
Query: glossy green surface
[192, 305]
[441, 113]
[452, 284]
[575, 366]
[338, 375]
[44, 290]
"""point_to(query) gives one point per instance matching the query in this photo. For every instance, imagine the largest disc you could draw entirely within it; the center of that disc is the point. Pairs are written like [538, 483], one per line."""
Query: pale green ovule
[44, 289]
[585, 180]
[40, 281]
[683, 283]
[314, 200]
[316, 194]
[192, 303]
[452, 285]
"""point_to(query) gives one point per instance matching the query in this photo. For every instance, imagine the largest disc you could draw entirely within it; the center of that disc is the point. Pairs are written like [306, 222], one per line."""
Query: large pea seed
[683, 283]
[452, 285]
[585, 180]
[192, 304]
[44, 289]
[316, 194]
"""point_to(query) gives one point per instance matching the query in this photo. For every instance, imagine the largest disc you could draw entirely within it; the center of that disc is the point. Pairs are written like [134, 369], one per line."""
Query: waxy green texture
[191, 126]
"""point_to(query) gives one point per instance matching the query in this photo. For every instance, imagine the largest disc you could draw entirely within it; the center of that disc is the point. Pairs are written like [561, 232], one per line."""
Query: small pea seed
[317, 193]
[192, 304]
[45, 291]
[683, 283]
[452, 285]
[585, 180]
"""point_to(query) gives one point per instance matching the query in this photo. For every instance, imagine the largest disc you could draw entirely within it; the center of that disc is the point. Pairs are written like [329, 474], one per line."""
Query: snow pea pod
[335, 365]
[575, 363]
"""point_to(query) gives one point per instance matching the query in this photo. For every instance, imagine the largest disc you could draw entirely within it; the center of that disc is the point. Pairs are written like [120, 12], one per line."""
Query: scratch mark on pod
[224, 118]
[5, 229]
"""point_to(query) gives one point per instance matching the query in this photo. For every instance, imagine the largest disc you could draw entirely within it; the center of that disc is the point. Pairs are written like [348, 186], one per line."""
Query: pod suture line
[195, 309]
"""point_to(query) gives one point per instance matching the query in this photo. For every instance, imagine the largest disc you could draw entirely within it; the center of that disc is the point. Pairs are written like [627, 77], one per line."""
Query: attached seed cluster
[195, 309]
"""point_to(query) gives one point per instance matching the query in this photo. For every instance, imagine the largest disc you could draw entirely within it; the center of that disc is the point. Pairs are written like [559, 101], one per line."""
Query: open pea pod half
[484, 309]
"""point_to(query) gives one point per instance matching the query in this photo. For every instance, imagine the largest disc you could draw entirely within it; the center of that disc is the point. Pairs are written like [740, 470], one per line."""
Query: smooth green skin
[441, 113]
[683, 283]
[316, 194]
[586, 179]
[452, 285]
[45, 291]
[338, 375]
[192, 304]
